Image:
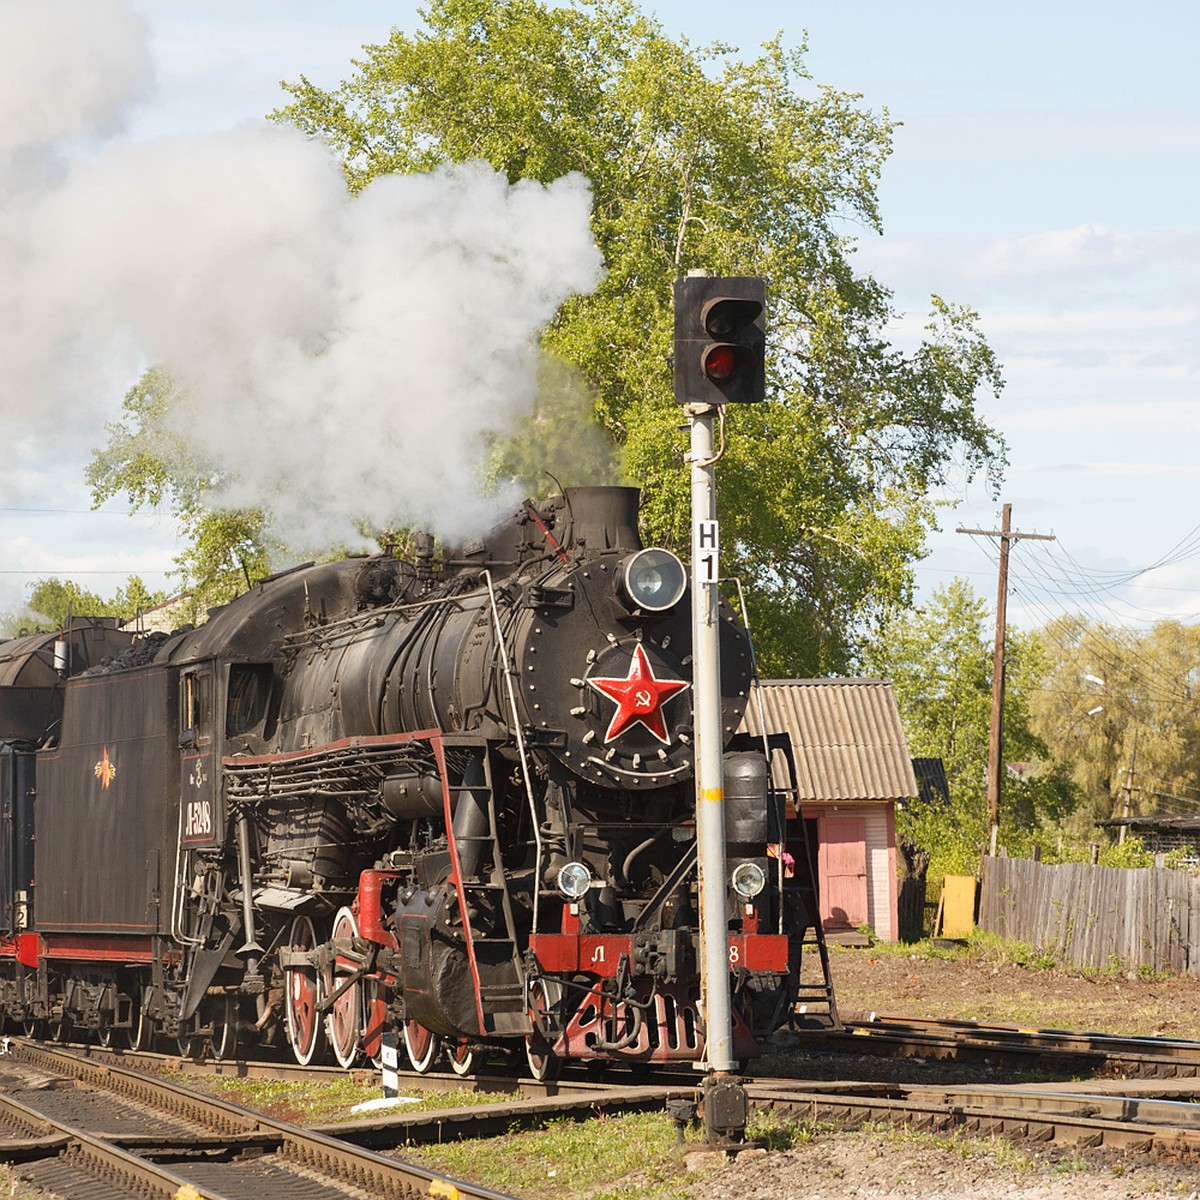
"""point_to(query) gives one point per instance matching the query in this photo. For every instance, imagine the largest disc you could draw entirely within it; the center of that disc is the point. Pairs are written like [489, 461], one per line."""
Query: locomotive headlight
[574, 880]
[748, 880]
[653, 579]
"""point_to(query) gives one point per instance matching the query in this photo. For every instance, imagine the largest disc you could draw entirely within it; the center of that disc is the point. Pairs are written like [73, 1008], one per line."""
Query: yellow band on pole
[712, 793]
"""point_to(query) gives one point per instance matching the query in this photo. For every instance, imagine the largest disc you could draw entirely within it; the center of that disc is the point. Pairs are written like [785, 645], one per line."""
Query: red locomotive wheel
[302, 996]
[461, 1057]
[344, 1022]
[422, 1045]
[375, 1019]
[544, 1064]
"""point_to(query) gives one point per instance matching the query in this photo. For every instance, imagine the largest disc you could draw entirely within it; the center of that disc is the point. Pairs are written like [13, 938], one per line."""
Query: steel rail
[77, 1153]
[344, 1164]
[1081, 1119]
[972, 1042]
[1066, 1039]
[1002, 1115]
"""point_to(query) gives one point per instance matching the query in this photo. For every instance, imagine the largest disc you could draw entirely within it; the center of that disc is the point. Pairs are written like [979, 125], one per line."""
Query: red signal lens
[723, 362]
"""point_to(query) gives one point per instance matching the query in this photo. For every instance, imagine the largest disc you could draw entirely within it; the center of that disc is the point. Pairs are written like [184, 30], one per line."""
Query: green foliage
[331, 1100]
[698, 159]
[633, 1156]
[939, 658]
[559, 443]
[52, 601]
[150, 464]
[1119, 706]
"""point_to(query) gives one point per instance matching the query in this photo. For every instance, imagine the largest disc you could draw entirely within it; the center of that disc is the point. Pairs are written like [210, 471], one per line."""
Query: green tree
[52, 601]
[939, 658]
[698, 159]
[1120, 707]
[224, 550]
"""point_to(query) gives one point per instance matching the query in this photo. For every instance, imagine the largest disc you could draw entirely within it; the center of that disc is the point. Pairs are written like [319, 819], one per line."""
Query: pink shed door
[842, 866]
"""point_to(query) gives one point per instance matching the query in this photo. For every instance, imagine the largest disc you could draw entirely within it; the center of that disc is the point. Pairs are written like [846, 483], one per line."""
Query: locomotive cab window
[249, 690]
[195, 709]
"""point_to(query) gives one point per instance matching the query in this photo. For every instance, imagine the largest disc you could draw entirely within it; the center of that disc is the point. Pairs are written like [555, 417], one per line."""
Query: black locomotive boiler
[451, 798]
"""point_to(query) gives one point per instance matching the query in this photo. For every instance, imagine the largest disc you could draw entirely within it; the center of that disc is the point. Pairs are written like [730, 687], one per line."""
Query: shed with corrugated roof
[851, 769]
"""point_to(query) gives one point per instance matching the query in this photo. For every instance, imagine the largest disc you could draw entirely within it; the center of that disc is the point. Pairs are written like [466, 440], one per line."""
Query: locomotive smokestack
[603, 518]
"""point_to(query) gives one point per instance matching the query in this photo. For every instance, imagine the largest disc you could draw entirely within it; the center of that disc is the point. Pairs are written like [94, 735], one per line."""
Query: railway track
[79, 1128]
[1081, 1120]
[219, 1149]
[1045, 1049]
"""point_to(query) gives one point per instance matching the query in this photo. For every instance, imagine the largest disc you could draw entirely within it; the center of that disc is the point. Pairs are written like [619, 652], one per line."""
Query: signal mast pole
[715, 1000]
[719, 359]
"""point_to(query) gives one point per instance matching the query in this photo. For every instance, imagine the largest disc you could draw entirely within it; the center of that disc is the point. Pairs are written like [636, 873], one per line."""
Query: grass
[15, 1189]
[635, 1156]
[979, 947]
[326, 1102]
[631, 1156]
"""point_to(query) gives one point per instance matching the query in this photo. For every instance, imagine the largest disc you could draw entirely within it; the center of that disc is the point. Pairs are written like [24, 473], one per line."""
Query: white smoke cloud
[341, 357]
[69, 69]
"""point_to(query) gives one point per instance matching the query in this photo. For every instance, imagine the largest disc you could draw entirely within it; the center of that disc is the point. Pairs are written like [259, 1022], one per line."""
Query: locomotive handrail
[757, 691]
[375, 615]
[519, 735]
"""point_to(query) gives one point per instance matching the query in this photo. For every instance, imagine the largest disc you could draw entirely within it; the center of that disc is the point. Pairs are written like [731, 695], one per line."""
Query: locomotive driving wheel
[461, 1057]
[544, 1064]
[223, 1040]
[344, 1023]
[422, 1045]
[187, 1043]
[303, 995]
[375, 1019]
[141, 1032]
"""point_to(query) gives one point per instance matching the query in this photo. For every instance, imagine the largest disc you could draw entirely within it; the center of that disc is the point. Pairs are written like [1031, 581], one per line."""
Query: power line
[76, 512]
[54, 571]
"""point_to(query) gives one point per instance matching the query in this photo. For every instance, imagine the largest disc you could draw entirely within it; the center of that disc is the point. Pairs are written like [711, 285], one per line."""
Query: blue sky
[1045, 173]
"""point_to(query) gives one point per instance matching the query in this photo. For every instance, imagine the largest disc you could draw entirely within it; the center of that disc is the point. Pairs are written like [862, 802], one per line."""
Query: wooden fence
[1092, 916]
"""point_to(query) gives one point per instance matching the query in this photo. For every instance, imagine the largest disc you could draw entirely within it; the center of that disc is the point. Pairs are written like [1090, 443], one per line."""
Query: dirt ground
[887, 1163]
[854, 1166]
[976, 988]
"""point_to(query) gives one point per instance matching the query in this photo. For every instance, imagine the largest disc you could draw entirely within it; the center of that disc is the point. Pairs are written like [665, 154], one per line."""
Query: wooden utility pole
[995, 760]
[1128, 788]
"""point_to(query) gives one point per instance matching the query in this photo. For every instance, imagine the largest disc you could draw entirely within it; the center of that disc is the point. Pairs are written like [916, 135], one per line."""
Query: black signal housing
[720, 339]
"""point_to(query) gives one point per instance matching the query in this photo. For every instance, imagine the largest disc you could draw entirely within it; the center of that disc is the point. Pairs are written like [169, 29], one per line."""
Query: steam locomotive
[449, 800]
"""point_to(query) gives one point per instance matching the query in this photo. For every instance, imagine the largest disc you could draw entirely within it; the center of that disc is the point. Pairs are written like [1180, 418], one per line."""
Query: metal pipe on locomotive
[447, 799]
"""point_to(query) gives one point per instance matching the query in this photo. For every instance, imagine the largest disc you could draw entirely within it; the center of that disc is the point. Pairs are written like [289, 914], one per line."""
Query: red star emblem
[639, 697]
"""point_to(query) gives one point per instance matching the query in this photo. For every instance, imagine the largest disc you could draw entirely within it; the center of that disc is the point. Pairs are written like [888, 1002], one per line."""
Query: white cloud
[1049, 264]
[1091, 247]
[1048, 134]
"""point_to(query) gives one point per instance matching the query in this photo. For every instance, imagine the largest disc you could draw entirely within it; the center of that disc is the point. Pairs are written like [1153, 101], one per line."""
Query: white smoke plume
[341, 357]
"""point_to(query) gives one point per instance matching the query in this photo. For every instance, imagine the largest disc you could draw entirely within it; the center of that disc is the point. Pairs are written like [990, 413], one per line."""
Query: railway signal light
[720, 340]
